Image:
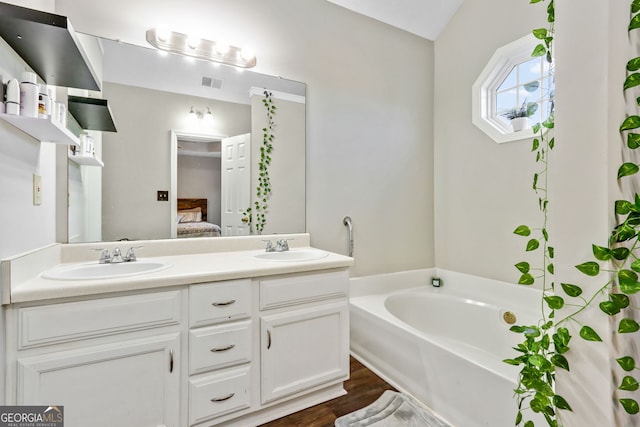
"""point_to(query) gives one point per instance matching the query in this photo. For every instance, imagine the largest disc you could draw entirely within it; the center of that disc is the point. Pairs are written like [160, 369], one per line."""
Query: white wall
[369, 110]
[483, 189]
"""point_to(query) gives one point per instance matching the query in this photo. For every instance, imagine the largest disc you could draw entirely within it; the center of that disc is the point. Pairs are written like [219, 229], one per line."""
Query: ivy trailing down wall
[256, 216]
[617, 261]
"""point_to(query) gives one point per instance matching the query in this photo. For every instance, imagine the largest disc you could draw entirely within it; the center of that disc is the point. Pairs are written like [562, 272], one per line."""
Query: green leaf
[551, 251]
[554, 302]
[538, 360]
[632, 80]
[621, 300]
[522, 230]
[628, 281]
[571, 290]
[635, 6]
[601, 253]
[539, 50]
[529, 423]
[627, 326]
[523, 267]
[550, 268]
[518, 418]
[536, 128]
[545, 234]
[631, 122]
[514, 362]
[560, 361]
[627, 169]
[540, 33]
[536, 144]
[526, 279]
[635, 23]
[532, 245]
[630, 406]
[629, 384]
[633, 64]
[609, 307]
[620, 253]
[587, 333]
[561, 403]
[633, 140]
[535, 181]
[627, 363]
[531, 331]
[623, 207]
[589, 268]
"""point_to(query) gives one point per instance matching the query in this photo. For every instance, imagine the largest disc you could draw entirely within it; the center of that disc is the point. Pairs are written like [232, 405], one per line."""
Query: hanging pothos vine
[256, 217]
[544, 344]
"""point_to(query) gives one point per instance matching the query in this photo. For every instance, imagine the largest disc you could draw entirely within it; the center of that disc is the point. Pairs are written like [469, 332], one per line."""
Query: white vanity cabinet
[304, 330]
[110, 361]
[237, 353]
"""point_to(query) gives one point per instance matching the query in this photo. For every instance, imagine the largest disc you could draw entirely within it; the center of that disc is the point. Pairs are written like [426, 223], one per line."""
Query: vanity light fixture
[183, 44]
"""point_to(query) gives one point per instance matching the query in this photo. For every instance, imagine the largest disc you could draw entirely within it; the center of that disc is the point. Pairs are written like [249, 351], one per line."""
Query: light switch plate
[37, 190]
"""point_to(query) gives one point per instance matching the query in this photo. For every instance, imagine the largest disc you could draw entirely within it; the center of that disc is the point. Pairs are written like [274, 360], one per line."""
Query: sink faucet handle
[105, 257]
[131, 254]
[269, 247]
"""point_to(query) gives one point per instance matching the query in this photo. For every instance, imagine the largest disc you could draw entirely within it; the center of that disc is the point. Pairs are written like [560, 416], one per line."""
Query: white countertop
[184, 268]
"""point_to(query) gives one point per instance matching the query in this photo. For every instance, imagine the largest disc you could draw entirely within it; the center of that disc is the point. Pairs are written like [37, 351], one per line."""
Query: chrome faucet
[116, 258]
[281, 245]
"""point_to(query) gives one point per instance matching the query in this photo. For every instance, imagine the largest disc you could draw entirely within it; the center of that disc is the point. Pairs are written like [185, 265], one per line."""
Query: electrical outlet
[163, 196]
[37, 190]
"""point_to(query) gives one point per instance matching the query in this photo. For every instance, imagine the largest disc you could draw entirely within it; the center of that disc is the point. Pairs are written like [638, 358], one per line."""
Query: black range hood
[91, 113]
[49, 45]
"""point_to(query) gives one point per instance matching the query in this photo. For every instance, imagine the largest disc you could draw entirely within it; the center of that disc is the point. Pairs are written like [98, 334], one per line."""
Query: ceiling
[425, 18]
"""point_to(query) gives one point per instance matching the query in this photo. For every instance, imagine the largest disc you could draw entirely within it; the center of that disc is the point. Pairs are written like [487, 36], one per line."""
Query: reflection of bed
[192, 219]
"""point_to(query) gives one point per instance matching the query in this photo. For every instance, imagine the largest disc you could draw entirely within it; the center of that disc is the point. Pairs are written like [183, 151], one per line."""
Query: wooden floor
[363, 388]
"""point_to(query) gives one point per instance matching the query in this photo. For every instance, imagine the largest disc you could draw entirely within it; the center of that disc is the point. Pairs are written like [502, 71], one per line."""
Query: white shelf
[199, 153]
[86, 160]
[44, 130]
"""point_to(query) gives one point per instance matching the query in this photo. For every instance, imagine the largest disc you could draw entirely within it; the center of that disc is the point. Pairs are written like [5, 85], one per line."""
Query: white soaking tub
[443, 345]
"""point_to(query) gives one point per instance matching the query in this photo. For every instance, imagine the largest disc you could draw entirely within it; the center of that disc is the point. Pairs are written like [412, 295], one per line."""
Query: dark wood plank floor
[363, 388]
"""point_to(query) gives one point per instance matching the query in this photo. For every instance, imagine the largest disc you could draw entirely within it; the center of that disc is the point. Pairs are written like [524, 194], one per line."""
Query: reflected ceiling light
[200, 48]
[200, 114]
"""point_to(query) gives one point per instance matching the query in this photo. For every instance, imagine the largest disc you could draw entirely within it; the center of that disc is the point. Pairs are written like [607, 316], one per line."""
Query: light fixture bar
[199, 48]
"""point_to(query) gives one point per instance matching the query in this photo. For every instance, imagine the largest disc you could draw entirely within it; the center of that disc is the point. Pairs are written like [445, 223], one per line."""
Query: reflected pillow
[190, 215]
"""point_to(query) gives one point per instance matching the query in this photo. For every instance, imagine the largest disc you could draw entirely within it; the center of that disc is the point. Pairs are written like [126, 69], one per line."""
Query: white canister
[29, 94]
[44, 102]
[13, 97]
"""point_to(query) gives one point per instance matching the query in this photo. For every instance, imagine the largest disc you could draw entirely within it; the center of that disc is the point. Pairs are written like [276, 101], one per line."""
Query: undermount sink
[95, 271]
[292, 255]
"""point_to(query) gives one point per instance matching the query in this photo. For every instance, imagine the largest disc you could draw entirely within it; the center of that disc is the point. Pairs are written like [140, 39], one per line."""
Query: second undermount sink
[293, 255]
[96, 271]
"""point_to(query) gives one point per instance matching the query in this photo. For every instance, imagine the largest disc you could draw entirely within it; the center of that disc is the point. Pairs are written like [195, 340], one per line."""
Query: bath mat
[392, 409]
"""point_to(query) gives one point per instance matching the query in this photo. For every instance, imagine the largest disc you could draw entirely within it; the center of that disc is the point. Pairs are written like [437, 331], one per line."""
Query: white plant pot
[519, 123]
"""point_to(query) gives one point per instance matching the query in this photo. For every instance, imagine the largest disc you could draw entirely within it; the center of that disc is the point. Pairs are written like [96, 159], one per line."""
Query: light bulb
[163, 34]
[222, 48]
[193, 42]
[208, 117]
[247, 53]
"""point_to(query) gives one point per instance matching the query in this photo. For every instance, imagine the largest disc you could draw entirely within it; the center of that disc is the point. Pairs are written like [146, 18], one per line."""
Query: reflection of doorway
[216, 168]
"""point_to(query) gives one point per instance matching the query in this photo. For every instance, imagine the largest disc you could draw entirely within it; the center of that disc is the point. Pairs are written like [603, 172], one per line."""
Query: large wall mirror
[160, 147]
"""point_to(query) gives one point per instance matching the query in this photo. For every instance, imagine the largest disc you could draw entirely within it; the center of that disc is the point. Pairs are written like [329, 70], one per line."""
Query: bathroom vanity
[221, 335]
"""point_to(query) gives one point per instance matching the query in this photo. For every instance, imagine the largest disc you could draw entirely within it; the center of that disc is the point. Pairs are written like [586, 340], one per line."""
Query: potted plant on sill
[519, 116]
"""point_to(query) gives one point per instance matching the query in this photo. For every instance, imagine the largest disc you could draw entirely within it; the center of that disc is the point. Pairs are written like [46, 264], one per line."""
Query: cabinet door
[302, 349]
[127, 384]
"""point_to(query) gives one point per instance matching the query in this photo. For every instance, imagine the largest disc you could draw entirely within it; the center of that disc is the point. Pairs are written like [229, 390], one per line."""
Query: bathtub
[444, 346]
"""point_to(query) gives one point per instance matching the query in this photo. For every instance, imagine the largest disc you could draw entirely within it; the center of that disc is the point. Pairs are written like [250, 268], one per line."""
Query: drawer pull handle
[222, 304]
[222, 399]
[268, 339]
[171, 361]
[227, 348]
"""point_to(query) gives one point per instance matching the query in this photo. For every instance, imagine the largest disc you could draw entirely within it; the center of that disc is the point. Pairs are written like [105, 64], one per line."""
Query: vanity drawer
[219, 394]
[283, 291]
[219, 302]
[219, 346]
[49, 324]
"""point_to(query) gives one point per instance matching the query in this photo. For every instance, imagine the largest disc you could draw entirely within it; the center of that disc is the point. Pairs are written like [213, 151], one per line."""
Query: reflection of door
[235, 184]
